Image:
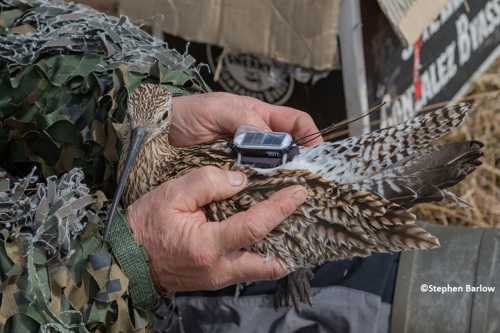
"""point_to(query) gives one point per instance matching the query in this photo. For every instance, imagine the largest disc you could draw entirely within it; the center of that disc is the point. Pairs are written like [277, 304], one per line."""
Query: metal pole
[353, 64]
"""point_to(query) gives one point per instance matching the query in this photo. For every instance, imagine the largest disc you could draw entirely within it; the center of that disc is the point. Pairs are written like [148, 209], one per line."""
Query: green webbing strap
[132, 262]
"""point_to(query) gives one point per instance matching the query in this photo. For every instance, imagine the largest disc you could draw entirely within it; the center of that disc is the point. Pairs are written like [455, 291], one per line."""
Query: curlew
[359, 189]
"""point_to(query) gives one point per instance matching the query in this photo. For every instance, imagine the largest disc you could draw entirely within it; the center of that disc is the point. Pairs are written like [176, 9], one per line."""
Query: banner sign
[457, 45]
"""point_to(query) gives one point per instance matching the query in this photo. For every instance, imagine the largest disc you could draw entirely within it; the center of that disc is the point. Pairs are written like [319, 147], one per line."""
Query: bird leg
[295, 288]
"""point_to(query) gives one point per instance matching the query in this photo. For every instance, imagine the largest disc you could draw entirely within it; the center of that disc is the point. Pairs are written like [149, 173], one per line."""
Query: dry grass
[482, 188]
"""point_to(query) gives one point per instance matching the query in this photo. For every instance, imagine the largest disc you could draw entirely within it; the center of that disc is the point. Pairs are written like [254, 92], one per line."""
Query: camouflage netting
[65, 73]
[54, 275]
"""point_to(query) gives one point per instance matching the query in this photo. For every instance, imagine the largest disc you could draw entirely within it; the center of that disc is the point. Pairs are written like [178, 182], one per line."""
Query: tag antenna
[334, 127]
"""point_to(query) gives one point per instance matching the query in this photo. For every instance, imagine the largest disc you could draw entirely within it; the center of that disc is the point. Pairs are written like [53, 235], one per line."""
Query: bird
[359, 189]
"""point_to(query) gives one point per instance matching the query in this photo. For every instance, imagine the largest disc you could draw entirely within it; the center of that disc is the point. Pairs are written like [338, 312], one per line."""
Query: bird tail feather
[423, 177]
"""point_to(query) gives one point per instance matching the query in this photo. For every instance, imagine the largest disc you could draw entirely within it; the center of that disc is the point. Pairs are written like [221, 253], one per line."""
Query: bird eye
[165, 115]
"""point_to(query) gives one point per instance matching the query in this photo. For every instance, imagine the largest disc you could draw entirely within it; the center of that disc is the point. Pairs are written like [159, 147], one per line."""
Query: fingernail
[235, 178]
[299, 196]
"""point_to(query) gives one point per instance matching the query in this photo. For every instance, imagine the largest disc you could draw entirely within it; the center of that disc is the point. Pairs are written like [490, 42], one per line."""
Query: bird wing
[424, 176]
[336, 222]
[357, 158]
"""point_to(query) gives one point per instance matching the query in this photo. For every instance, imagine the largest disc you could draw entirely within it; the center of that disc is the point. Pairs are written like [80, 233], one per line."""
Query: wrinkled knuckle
[302, 118]
[257, 230]
[306, 117]
[283, 212]
[211, 173]
[167, 191]
[284, 209]
[252, 100]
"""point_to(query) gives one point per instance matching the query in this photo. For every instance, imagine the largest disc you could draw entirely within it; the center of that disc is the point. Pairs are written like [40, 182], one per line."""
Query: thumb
[239, 116]
[203, 186]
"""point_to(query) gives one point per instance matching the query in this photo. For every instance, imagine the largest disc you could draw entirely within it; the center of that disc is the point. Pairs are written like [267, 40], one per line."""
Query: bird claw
[295, 288]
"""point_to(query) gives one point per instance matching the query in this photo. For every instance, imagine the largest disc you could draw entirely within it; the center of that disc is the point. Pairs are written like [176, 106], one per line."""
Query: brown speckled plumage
[359, 189]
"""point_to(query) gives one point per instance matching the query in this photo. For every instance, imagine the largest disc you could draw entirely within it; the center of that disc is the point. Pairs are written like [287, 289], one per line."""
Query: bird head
[149, 114]
[149, 108]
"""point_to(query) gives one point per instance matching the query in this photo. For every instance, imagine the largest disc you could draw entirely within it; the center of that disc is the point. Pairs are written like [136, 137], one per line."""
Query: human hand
[187, 252]
[205, 117]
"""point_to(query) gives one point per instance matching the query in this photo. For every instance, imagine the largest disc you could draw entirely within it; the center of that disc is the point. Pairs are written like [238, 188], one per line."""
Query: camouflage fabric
[54, 275]
[65, 73]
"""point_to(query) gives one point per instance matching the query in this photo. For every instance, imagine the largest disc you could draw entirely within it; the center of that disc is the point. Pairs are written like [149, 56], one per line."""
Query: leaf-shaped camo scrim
[58, 207]
[61, 27]
[65, 73]
[52, 264]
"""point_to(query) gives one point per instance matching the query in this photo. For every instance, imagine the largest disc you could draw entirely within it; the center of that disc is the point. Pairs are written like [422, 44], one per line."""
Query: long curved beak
[137, 138]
